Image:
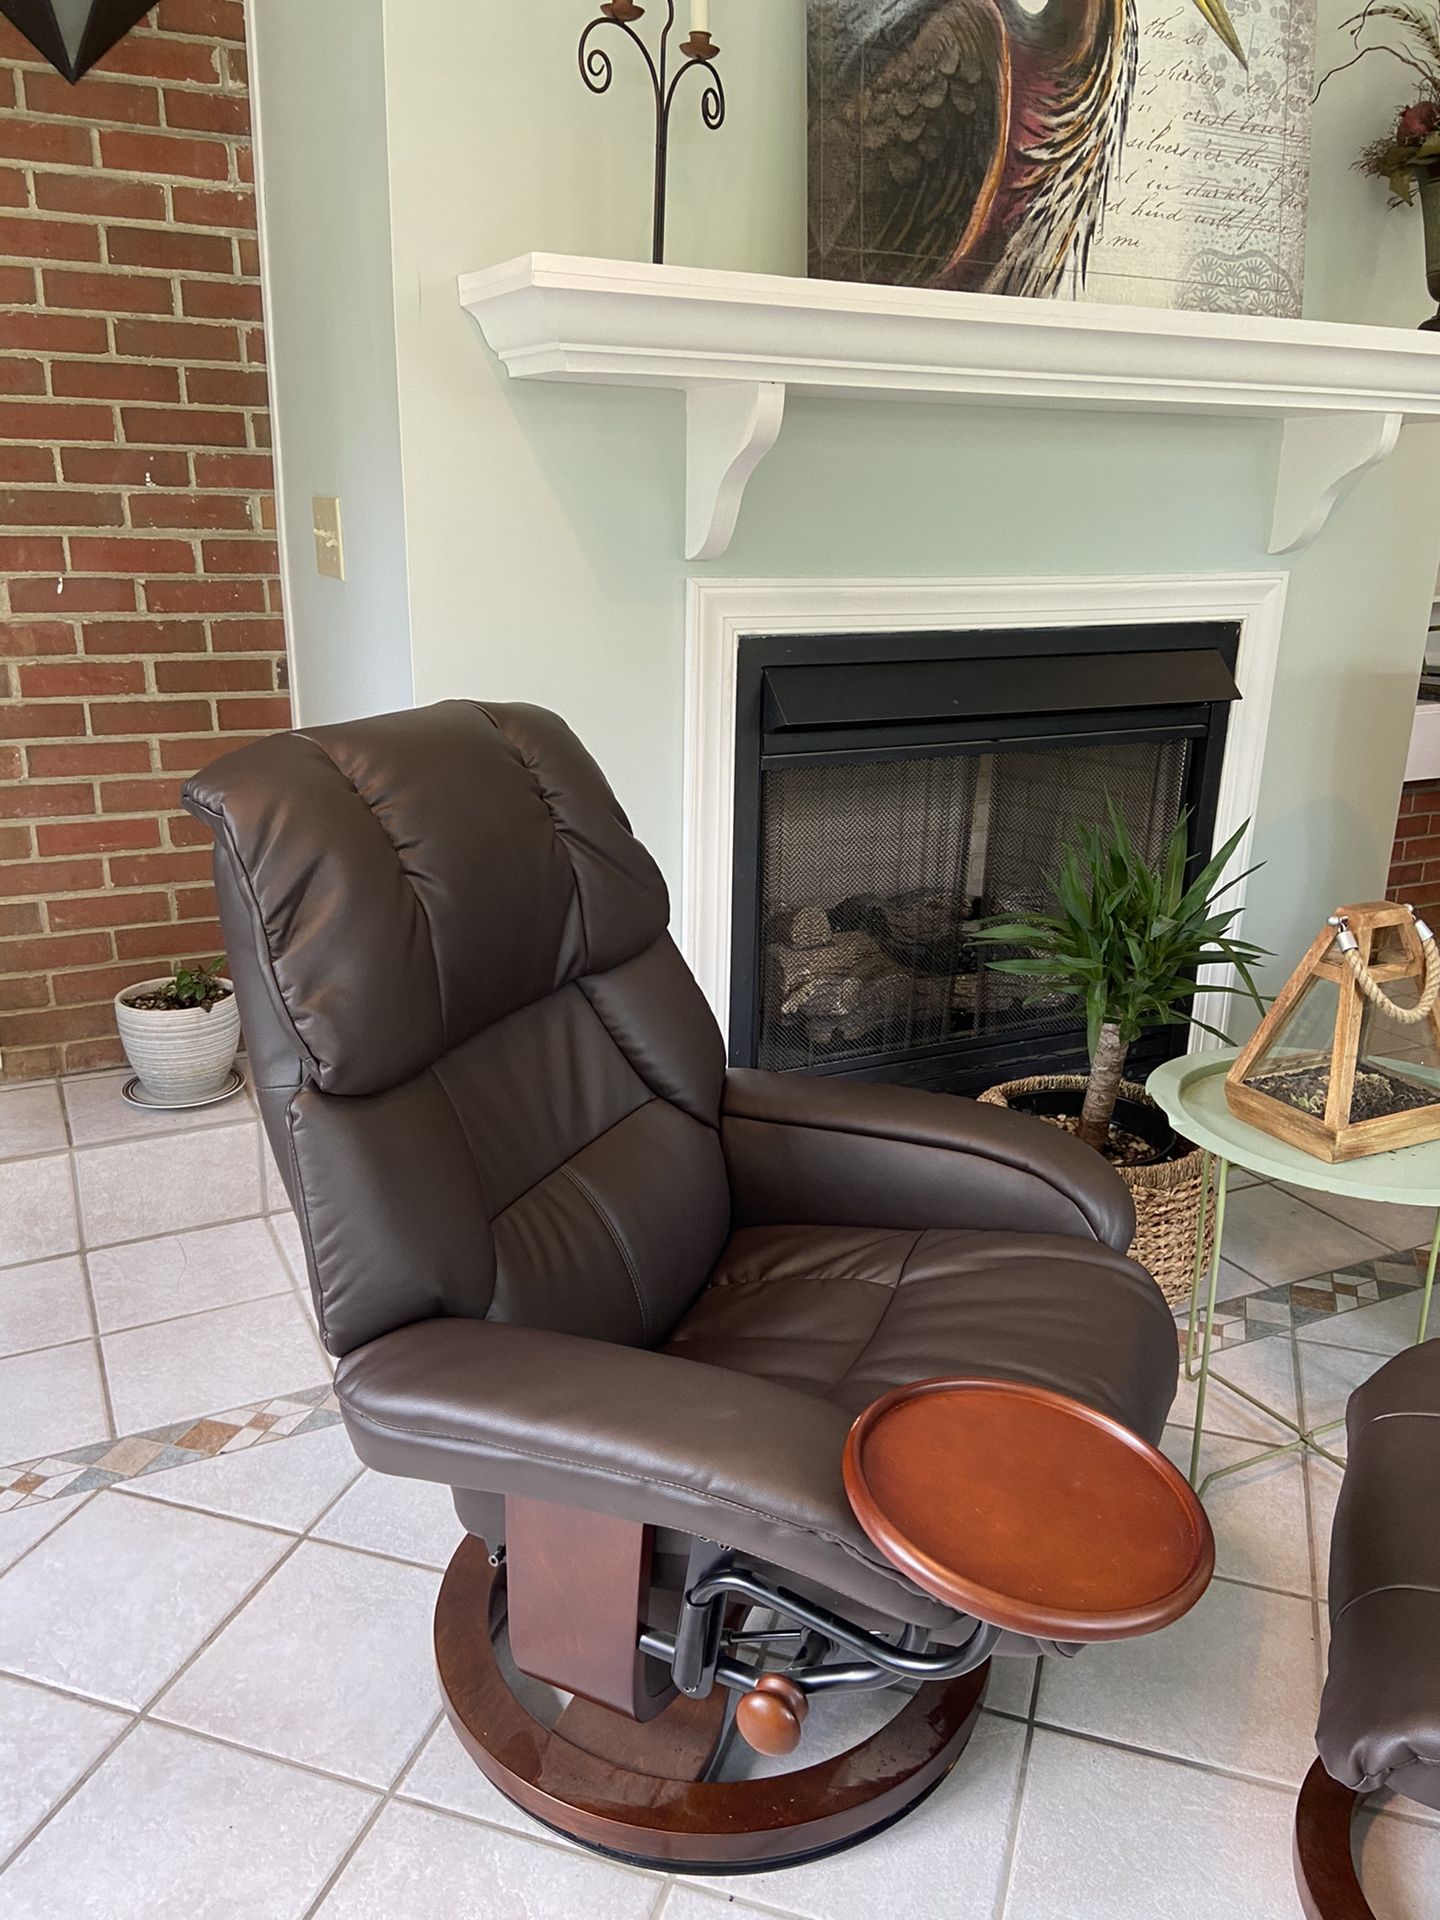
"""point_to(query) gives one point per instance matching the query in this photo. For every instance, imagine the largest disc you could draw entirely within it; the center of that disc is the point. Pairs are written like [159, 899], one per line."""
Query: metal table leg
[1199, 1267]
[1222, 1181]
[1305, 1437]
[1429, 1282]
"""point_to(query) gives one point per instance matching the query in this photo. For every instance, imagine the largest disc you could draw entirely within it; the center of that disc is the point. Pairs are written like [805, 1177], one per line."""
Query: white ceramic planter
[182, 1054]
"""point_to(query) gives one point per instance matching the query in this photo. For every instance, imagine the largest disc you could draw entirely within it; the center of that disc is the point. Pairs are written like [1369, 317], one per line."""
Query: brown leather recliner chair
[624, 1302]
[1380, 1713]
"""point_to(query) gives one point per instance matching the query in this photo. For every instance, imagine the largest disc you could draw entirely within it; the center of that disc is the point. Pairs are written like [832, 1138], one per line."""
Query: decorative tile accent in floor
[1296, 1304]
[109, 1462]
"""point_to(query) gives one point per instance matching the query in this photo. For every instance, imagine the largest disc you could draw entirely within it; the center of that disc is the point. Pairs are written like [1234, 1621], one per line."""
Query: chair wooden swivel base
[1325, 1875]
[1117, 1544]
[643, 1790]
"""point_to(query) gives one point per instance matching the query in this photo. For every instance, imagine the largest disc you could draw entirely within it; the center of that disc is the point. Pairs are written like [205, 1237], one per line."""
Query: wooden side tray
[1027, 1509]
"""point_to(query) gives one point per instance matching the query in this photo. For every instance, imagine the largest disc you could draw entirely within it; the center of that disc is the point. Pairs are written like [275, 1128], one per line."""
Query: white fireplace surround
[720, 612]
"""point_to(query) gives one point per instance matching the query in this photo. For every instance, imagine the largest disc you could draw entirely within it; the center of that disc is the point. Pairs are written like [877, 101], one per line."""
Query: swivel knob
[771, 1715]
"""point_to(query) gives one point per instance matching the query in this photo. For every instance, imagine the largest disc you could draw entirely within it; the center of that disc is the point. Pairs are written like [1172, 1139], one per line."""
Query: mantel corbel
[1321, 458]
[729, 430]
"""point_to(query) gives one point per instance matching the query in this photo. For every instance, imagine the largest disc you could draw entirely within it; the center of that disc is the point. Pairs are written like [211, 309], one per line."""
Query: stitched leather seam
[1402, 1763]
[726, 1279]
[532, 768]
[900, 1276]
[992, 1259]
[603, 1214]
[1391, 1586]
[420, 906]
[893, 1293]
[627, 1480]
[220, 827]
[435, 1074]
[551, 1172]
[305, 1209]
[604, 1026]
[968, 1151]
[622, 1050]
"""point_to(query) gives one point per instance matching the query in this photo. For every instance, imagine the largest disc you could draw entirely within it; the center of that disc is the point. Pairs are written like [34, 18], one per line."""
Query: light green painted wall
[319, 88]
[544, 523]
[1364, 260]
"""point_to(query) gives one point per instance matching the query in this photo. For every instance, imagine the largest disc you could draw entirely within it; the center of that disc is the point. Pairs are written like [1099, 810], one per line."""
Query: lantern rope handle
[1371, 987]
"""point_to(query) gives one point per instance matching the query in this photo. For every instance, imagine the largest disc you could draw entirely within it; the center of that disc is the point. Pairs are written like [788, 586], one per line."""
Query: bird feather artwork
[1140, 150]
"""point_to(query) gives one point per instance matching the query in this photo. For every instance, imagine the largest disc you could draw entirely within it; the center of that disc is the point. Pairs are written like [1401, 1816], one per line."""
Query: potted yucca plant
[1128, 940]
[180, 1034]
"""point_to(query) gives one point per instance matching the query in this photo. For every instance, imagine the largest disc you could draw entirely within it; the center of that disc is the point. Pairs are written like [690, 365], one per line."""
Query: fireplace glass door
[876, 876]
[886, 808]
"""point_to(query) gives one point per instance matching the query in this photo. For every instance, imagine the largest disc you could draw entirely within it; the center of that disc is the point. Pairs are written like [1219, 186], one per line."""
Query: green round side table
[1191, 1090]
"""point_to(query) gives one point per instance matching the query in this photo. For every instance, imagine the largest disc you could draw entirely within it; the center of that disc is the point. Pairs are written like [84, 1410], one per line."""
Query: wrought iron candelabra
[700, 51]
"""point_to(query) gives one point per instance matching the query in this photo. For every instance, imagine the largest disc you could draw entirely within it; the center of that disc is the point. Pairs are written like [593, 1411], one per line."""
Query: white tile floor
[216, 1692]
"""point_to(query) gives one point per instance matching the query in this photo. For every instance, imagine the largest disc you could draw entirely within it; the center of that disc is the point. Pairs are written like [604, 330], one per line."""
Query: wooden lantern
[1347, 1061]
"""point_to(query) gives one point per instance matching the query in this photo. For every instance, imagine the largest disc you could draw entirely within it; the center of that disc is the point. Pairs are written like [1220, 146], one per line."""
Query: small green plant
[1128, 940]
[197, 985]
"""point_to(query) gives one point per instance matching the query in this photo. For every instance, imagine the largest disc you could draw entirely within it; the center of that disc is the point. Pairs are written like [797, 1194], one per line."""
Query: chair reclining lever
[901, 1662]
[695, 1655]
[770, 1714]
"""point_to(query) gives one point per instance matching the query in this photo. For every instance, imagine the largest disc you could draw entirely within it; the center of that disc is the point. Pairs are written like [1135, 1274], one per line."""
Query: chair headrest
[413, 878]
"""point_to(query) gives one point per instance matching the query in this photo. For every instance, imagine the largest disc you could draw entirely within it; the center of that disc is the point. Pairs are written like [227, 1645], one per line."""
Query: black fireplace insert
[895, 792]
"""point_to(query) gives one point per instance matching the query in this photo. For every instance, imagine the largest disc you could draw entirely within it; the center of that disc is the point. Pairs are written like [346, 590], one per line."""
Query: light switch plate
[329, 540]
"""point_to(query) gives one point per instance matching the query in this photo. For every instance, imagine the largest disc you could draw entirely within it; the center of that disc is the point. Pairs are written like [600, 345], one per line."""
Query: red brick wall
[1415, 861]
[140, 629]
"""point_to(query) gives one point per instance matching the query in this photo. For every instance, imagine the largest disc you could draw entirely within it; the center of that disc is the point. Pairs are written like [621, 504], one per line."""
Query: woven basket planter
[1167, 1196]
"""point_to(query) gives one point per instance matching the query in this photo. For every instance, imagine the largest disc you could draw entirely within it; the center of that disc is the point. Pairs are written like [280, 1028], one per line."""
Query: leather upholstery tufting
[847, 1313]
[474, 1026]
[452, 866]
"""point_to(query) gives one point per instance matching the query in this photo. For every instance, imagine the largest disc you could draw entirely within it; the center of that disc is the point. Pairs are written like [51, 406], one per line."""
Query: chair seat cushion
[1380, 1715]
[846, 1313]
[735, 1430]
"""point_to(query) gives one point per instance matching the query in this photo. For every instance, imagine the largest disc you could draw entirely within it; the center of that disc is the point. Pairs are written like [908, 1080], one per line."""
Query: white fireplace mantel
[737, 343]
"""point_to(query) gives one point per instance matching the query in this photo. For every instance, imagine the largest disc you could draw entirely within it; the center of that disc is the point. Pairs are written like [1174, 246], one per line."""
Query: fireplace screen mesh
[874, 876]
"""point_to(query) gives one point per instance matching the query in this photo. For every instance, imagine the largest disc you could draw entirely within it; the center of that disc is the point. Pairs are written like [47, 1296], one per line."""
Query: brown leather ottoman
[1380, 1715]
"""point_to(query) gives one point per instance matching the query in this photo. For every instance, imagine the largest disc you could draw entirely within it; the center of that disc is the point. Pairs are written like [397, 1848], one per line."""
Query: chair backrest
[490, 1082]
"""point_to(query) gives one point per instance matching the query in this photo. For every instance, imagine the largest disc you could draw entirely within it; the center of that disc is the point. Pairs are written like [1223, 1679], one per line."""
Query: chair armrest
[642, 1436]
[805, 1150]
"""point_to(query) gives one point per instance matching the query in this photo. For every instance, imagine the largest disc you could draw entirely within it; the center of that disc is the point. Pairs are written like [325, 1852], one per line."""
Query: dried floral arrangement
[1413, 143]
